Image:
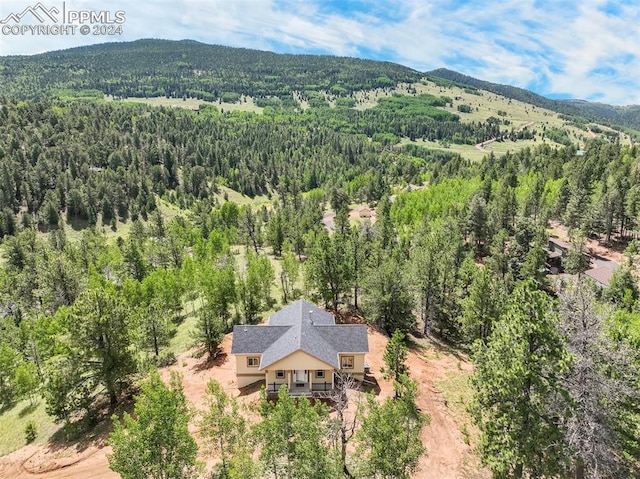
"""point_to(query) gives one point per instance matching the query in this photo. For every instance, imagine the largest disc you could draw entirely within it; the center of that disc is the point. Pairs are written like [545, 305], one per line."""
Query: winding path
[480, 146]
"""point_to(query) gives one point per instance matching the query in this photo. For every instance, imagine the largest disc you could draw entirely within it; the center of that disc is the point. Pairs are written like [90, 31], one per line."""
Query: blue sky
[587, 49]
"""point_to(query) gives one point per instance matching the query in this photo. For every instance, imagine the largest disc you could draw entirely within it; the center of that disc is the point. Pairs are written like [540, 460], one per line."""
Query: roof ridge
[299, 325]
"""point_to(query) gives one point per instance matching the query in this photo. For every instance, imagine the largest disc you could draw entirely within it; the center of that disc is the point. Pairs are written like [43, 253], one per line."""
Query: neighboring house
[328, 220]
[558, 246]
[556, 249]
[364, 212]
[301, 347]
[602, 276]
[602, 270]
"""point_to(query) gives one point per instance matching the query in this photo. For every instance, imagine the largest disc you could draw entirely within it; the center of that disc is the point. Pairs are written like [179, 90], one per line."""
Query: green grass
[458, 394]
[484, 106]
[66, 94]
[194, 103]
[469, 152]
[14, 420]
[183, 339]
[239, 198]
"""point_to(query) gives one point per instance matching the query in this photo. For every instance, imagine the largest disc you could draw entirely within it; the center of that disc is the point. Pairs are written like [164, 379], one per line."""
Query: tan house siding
[358, 365]
[271, 377]
[299, 360]
[247, 375]
[249, 379]
[328, 375]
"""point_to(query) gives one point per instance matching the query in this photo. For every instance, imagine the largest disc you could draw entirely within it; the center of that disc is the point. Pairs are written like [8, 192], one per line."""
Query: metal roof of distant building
[559, 242]
[601, 275]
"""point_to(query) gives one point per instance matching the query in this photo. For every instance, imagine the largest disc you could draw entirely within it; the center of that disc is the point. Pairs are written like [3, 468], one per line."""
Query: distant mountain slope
[598, 112]
[164, 68]
[176, 68]
[621, 115]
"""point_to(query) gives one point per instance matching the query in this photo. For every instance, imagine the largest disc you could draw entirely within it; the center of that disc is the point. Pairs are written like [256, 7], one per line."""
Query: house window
[346, 362]
[320, 373]
[280, 374]
[253, 362]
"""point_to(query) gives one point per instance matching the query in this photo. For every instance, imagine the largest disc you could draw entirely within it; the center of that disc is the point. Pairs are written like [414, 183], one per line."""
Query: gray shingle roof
[255, 339]
[346, 338]
[601, 275]
[300, 326]
[293, 313]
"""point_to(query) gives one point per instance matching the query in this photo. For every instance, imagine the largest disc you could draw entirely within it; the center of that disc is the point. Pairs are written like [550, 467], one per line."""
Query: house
[601, 270]
[602, 276]
[556, 249]
[558, 246]
[364, 212]
[301, 347]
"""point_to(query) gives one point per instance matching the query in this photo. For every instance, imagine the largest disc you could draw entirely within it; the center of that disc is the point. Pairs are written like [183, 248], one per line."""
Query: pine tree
[517, 380]
[100, 338]
[389, 302]
[388, 440]
[483, 305]
[395, 355]
[155, 442]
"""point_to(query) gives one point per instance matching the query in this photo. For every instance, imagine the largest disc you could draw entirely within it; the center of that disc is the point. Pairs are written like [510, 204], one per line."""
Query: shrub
[30, 432]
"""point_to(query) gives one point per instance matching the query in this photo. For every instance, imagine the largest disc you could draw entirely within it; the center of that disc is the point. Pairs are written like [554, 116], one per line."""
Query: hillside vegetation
[151, 68]
[628, 116]
[131, 232]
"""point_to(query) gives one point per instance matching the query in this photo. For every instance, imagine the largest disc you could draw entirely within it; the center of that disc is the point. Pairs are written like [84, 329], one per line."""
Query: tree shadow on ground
[28, 409]
[370, 384]
[209, 362]
[91, 430]
[441, 345]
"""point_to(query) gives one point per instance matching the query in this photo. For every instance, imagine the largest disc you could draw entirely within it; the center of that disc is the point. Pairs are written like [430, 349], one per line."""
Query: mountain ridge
[151, 67]
[628, 115]
[189, 68]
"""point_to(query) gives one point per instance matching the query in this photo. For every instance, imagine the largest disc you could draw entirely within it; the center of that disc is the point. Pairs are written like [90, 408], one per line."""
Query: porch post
[333, 377]
[289, 379]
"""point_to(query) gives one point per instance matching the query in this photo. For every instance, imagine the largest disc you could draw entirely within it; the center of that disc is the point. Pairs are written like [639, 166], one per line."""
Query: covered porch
[300, 382]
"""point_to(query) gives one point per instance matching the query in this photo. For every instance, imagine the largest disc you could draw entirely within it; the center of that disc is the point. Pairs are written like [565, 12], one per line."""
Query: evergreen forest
[131, 233]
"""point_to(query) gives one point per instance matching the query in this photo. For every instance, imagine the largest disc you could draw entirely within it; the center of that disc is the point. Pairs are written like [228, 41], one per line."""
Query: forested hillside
[85, 160]
[149, 68]
[131, 234]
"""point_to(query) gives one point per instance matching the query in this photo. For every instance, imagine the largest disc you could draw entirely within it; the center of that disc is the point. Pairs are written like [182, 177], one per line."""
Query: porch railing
[274, 387]
[321, 386]
[314, 387]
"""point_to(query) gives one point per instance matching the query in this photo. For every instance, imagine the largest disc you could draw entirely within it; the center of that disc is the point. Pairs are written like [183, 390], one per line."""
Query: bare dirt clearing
[448, 456]
[593, 246]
